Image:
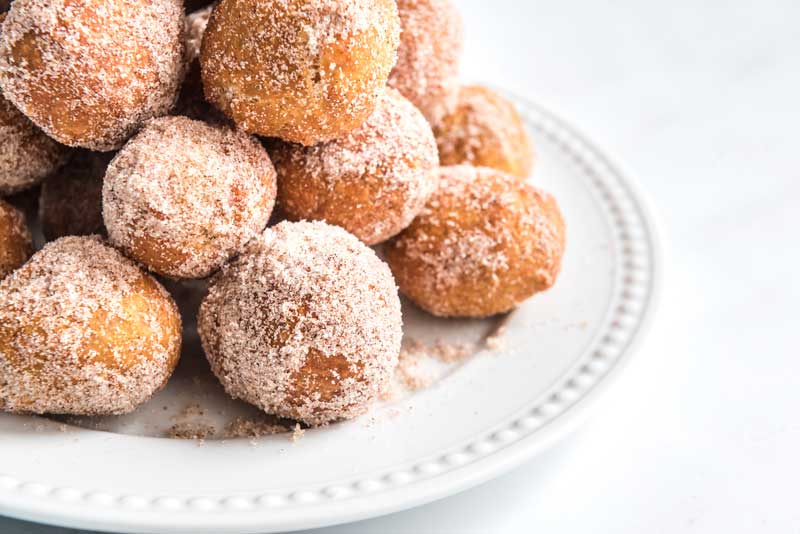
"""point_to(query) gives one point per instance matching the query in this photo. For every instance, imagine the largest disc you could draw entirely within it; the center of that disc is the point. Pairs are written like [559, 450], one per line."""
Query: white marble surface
[700, 99]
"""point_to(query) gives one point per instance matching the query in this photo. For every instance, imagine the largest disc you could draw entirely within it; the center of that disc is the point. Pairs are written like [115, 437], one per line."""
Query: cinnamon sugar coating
[183, 197]
[71, 200]
[485, 130]
[27, 155]
[429, 56]
[306, 71]
[305, 325]
[90, 72]
[372, 182]
[84, 331]
[484, 243]
[16, 245]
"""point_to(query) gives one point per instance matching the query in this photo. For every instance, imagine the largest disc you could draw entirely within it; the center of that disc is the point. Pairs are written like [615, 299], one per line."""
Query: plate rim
[497, 452]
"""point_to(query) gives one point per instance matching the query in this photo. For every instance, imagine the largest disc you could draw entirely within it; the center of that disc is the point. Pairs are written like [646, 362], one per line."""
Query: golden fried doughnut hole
[183, 197]
[71, 200]
[372, 182]
[90, 72]
[16, 245]
[305, 71]
[485, 242]
[27, 155]
[485, 130]
[84, 331]
[306, 324]
[429, 56]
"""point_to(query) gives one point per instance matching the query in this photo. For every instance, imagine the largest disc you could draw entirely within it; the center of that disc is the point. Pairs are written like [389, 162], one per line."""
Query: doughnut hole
[485, 130]
[311, 73]
[429, 56]
[372, 182]
[84, 331]
[28, 155]
[90, 72]
[485, 243]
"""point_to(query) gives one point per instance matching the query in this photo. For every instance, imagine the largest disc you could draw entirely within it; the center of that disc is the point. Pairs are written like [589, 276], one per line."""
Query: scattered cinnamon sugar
[188, 430]
[249, 428]
[409, 371]
[297, 433]
[495, 341]
[190, 411]
[452, 352]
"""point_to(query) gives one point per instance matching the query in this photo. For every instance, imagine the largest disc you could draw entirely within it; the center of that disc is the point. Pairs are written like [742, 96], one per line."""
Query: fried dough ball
[16, 245]
[485, 242]
[183, 197]
[372, 182]
[305, 325]
[27, 155]
[429, 57]
[84, 331]
[485, 130]
[90, 72]
[306, 71]
[71, 200]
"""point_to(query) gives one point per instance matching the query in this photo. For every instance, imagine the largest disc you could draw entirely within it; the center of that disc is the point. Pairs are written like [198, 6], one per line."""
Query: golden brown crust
[485, 242]
[70, 201]
[84, 331]
[485, 130]
[16, 245]
[372, 182]
[304, 71]
[27, 155]
[89, 72]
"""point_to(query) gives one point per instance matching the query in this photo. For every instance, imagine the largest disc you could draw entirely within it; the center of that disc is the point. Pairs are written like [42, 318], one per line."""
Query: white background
[701, 99]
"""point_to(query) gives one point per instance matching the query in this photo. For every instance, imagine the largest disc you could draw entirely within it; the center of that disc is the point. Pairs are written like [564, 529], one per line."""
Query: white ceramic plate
[480, 418]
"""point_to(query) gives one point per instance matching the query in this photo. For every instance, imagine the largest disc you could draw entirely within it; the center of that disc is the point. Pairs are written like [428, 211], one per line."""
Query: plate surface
[480, 417]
